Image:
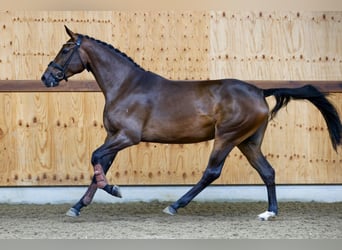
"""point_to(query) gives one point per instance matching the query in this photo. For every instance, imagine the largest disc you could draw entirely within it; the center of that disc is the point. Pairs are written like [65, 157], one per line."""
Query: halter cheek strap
[78, 44]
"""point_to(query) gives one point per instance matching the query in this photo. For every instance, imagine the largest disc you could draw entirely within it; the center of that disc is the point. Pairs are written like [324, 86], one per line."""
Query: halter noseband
[61, 74]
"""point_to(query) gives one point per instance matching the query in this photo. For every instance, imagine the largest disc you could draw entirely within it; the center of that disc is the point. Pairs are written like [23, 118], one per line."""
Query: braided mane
[115, 50]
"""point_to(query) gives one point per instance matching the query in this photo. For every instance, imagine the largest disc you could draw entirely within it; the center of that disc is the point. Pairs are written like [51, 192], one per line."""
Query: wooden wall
[48, 138]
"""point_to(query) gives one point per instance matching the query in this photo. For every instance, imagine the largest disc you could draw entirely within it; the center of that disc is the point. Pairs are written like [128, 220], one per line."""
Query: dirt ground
[198, 220]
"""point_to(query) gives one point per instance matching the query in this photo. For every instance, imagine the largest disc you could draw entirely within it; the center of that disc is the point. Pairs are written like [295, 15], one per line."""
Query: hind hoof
[170, 210]
[72, 212]
[267, 216]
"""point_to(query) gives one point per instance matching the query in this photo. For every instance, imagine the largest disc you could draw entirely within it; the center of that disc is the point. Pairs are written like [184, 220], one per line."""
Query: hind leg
[212, 172]
[251, 149]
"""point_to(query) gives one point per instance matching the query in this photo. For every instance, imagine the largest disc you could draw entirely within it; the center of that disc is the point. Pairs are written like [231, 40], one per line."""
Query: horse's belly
[179, 132]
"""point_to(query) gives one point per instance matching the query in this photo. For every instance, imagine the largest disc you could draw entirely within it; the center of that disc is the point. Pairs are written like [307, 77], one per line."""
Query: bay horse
[141, 106]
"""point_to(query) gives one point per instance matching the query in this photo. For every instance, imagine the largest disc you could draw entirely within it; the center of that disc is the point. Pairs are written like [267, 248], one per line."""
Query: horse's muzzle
[49, 80]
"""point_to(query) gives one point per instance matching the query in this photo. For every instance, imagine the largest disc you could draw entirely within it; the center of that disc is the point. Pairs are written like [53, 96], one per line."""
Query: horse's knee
[95, 158]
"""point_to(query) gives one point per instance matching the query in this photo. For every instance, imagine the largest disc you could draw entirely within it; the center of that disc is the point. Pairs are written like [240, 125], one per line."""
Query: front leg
[111, 147]
[94, 185]
[102, 183]
[102, 159]
[86, 199]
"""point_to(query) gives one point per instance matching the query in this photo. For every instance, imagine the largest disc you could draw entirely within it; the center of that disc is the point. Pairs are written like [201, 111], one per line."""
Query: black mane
[115, 50]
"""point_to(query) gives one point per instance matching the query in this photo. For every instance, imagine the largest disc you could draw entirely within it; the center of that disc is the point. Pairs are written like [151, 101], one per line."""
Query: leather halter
[61, 74]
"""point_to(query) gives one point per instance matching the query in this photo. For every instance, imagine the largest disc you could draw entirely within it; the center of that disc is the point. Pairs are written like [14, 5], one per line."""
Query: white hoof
[72, 212]
[266, 215]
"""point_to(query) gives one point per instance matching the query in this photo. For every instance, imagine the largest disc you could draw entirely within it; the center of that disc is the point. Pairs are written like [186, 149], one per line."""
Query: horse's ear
[70, 33]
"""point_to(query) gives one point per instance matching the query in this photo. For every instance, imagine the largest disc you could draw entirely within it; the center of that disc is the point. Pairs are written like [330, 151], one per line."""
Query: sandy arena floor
[198, 220]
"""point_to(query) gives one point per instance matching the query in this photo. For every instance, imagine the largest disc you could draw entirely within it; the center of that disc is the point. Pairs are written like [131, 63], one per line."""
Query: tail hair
[284, 95]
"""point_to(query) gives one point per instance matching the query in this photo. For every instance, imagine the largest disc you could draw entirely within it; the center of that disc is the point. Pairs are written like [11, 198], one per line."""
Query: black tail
[317, 98]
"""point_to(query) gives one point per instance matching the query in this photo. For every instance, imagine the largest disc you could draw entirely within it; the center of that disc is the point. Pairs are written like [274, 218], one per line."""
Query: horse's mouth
[49, 81]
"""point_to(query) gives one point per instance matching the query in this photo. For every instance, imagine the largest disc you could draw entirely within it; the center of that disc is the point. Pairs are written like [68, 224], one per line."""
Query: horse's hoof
[113, 190]
[267, 215]
[170, 210]
[73, 212]
[116, 191]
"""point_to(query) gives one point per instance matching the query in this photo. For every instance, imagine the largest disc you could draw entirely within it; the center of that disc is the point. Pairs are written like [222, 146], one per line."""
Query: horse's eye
[65, 50]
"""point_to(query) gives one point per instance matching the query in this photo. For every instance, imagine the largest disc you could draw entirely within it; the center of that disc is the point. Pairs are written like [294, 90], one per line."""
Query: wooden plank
[47, 135]
[276, 45]
[38, 86]
[48, 138]
[91, 85]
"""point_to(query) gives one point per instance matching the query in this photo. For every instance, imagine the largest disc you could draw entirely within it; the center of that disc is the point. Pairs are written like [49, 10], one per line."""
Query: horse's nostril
[43, 78]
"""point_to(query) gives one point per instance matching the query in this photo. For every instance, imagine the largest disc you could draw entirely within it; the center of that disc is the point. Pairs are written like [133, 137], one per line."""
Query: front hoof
[116, 191]
[113, 190]
[267, 215]
[170, 210]
[73, 212]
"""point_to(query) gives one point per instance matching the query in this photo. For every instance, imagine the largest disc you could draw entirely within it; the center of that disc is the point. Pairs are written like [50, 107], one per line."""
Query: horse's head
[68, 61]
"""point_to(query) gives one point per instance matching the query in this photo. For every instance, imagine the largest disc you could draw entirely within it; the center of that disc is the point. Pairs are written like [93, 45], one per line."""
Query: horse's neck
[109, 69]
